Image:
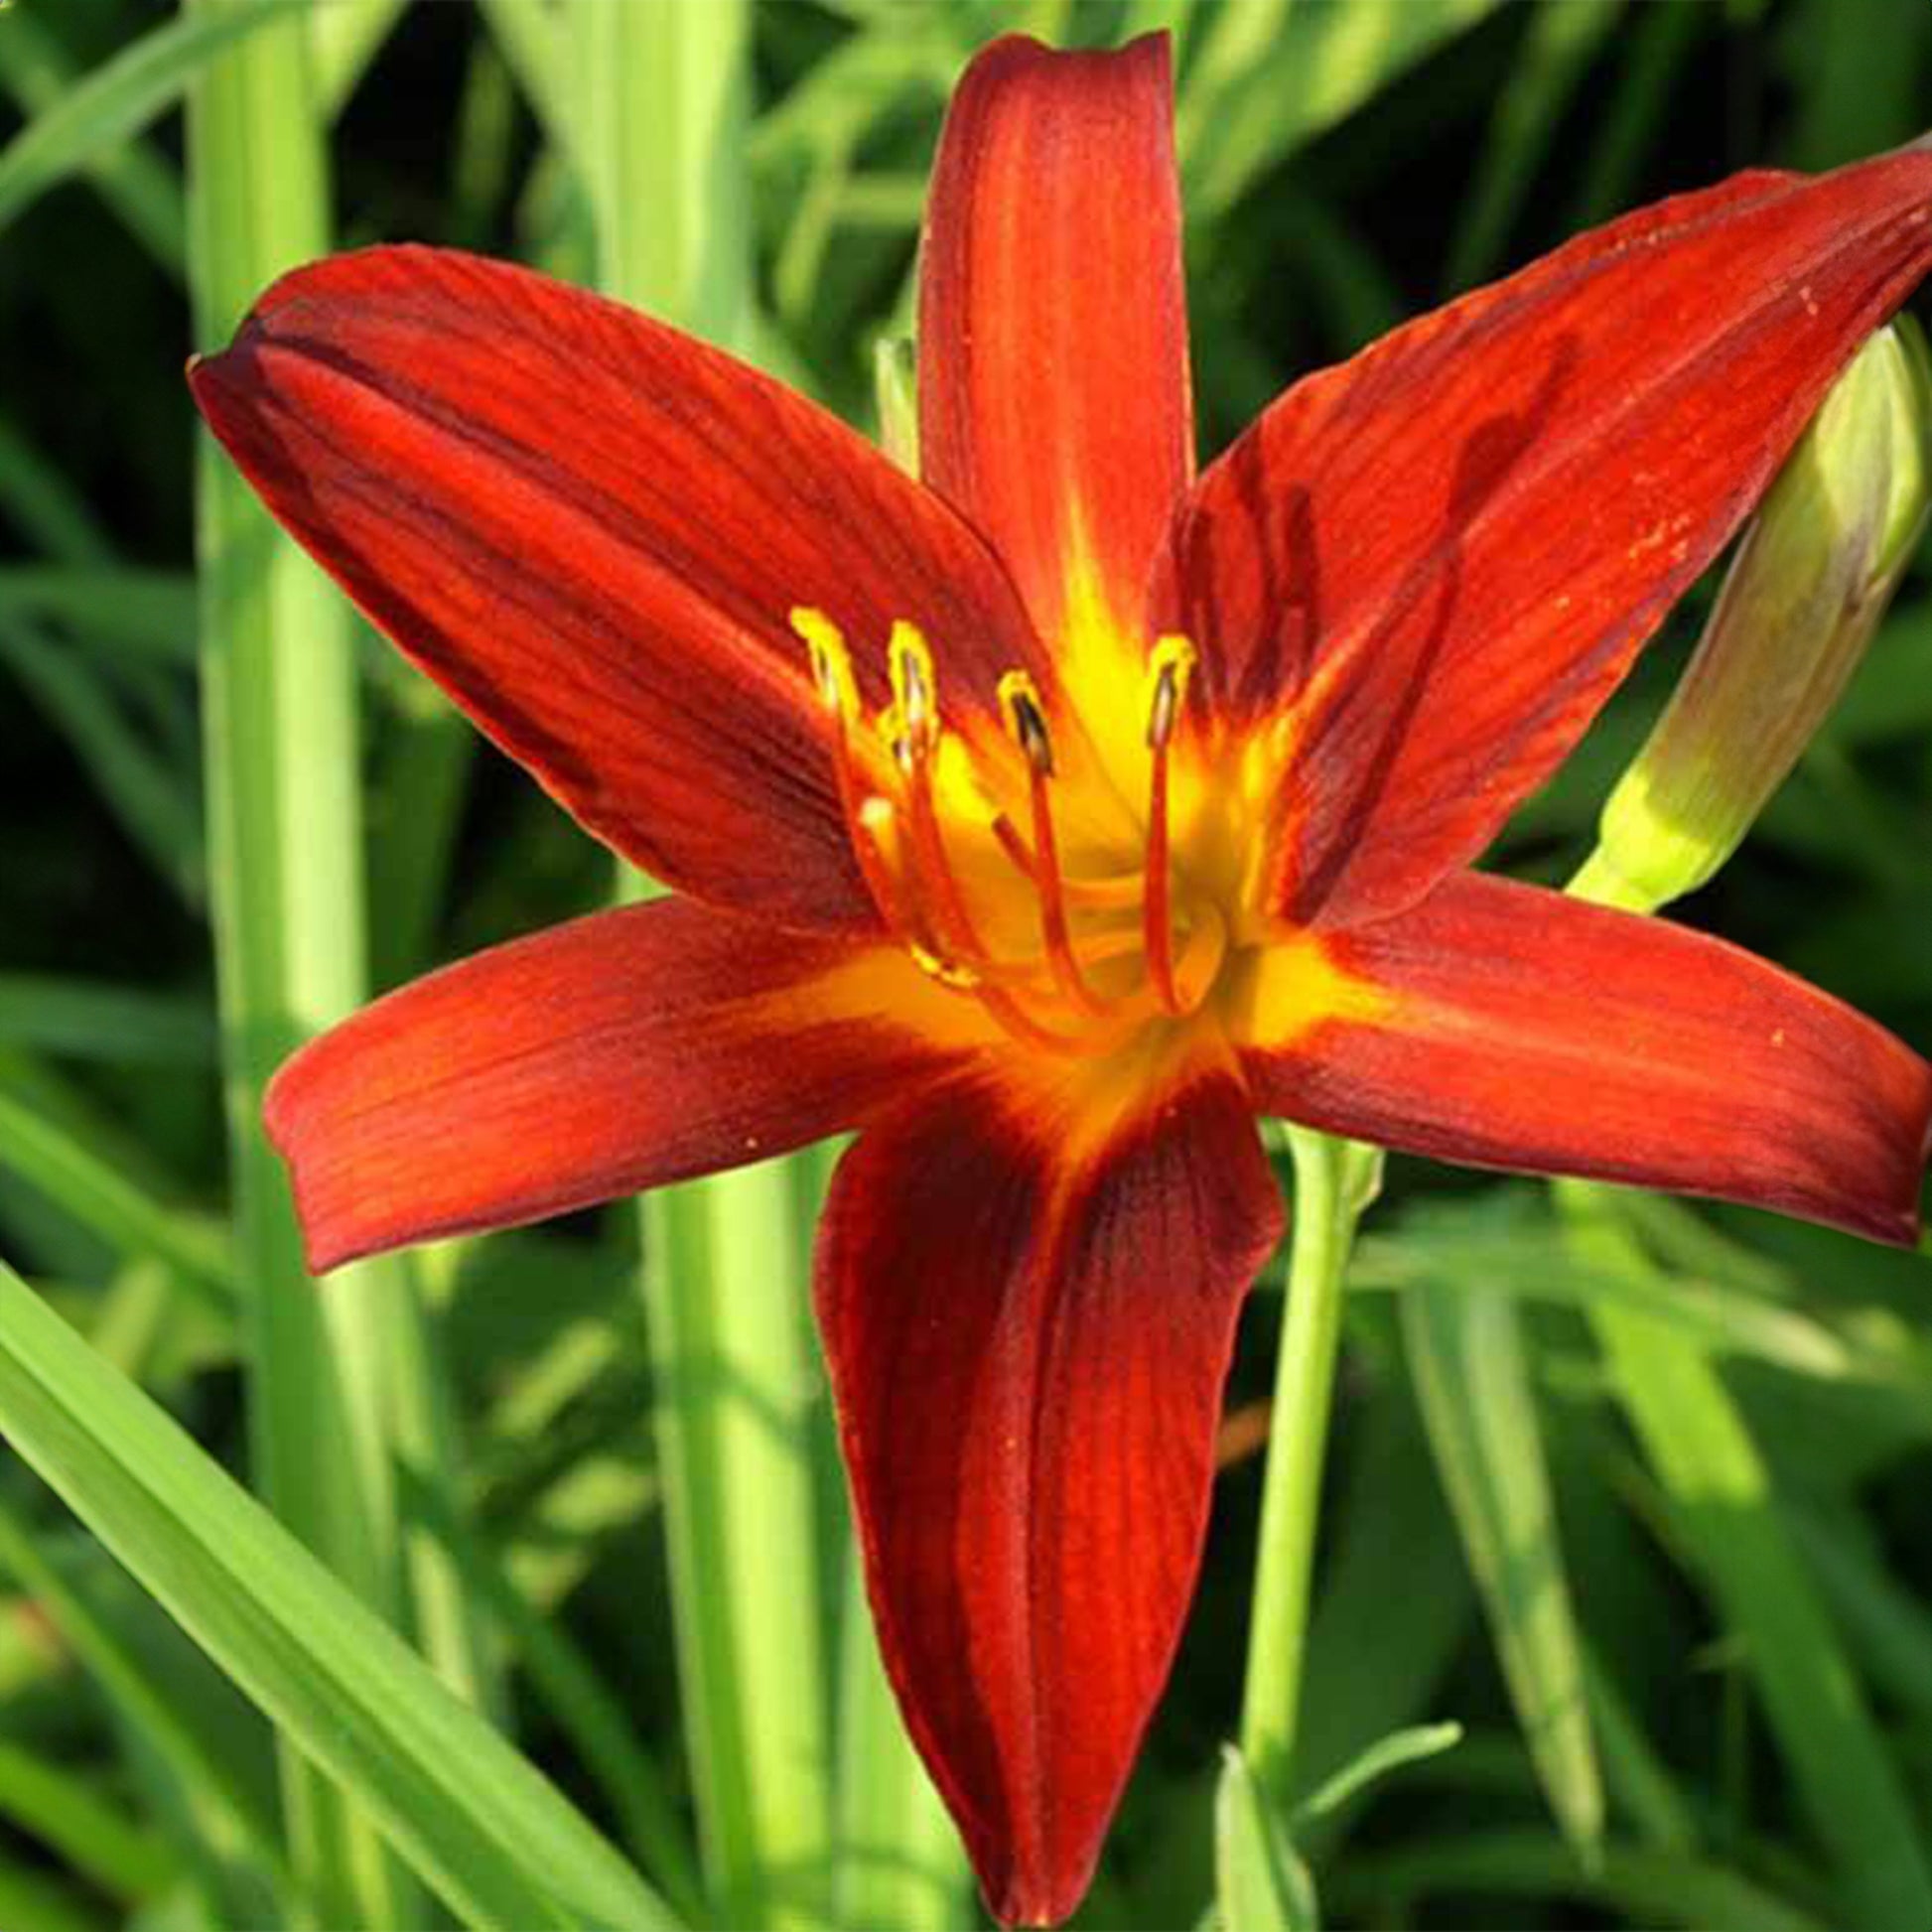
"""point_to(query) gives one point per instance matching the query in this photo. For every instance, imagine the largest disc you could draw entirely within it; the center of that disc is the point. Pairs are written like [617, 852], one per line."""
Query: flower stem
[1334, 1180]
[660, 97]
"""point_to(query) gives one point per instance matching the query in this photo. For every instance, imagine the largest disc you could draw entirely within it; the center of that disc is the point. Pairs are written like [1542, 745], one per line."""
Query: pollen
[830, 661]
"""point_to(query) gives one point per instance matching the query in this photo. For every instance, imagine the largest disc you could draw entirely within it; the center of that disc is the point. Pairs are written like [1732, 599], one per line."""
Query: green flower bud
[1803, 596]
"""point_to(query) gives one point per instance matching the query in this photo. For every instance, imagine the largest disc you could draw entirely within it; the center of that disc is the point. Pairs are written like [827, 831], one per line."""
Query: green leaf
[660, 101]
[1559, 44]
[1395, 1607]
[1645, 1888]
[1271, 76]
[1386, 1755]
[135, 180]
[1466, 1354]
[62, 1810]
[354, 1368]
[119, 98]
[1728, 1513]
[527, 34]
[898, 1858]
[477, 1820]
[230, 1816]
[151, 614]
[1260, 1882]
[155, 808]
[89, 1019]
[103, 1201]
[344, 37]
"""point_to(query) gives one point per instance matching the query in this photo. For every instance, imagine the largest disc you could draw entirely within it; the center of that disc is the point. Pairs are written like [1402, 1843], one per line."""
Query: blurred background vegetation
[1727, 1718]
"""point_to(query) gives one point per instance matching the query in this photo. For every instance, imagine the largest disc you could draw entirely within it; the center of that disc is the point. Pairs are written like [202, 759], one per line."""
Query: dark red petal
[1509, 1027]
[1053, 390]
[1440, 558]
[1027, 1344]
[589, 529]
[601, 1057]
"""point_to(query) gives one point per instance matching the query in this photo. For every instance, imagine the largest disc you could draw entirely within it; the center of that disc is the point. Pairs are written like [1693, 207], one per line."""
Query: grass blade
[1702, 1452]
[352, 1368]
[344, 37]
[1466, 1352]
[90, 1019]
[1650, 1888]
[1387, 1754]
[119, 98]
[225, 1807]
[1287, 73]
[65, 1814]
[47, 509]
[1260, 1882]
[134, 180]
[485, 1828]
[102, 1199]
[1559, 44]
[154, 808]
[898, 1860]
[659, 137]
[149, 614]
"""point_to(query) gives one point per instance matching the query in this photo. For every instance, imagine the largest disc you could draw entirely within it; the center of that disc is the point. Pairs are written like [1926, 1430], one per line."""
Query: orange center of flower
[1015, 869]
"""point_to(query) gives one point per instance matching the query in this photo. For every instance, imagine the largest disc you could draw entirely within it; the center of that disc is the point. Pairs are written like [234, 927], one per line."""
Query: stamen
[900, 846]
[911, 725]
[1028, 722]
[831, 663]
[1169, 665]
[839, 692]
[1020, 701]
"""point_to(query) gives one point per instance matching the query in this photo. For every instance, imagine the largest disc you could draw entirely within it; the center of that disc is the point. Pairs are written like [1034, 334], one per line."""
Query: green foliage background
[1726, 1720]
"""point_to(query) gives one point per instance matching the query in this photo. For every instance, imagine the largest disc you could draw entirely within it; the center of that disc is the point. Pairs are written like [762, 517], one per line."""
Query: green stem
[898, 1860]
[658, 130]
[1334, 1182]
[341, 1384]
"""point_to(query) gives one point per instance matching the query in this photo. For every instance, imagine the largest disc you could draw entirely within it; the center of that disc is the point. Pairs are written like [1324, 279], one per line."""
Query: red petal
[1053, 388]
[1509, 1027]
[1442, 557]
[590, 530]
[598, 1059]
[1028, 1345]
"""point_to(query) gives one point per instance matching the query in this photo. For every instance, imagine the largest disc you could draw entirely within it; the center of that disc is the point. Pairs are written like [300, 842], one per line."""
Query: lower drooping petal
[1029, 1322]
[591, 1060]
[590, 530]
[1509, 1027]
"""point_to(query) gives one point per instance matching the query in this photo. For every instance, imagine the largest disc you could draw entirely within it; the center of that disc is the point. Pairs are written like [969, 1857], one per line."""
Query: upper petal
[604, 1057]
[1028, 1326]
[1054, 390]
[1510, 1027]
[1437, 559]
[589, 529]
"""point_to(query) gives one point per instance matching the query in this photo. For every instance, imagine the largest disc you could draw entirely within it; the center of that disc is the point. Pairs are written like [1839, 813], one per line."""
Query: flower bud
[1805, 592]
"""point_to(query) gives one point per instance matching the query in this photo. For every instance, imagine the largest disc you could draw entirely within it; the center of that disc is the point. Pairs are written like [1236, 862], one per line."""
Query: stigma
[1069, 944]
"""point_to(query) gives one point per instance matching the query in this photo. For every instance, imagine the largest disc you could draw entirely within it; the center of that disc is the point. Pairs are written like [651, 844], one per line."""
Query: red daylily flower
[1049, 817]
